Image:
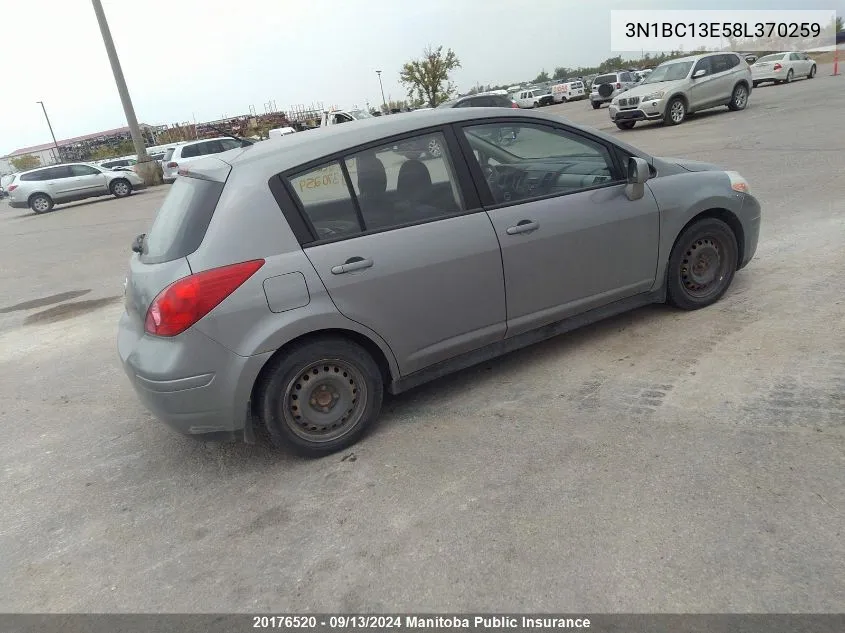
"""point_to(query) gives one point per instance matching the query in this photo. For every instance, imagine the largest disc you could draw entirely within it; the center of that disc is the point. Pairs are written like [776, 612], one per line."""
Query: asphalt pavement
[660, 461]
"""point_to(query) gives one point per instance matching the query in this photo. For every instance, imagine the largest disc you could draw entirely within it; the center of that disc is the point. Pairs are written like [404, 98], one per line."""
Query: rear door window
[720, 63]
[182, 220]
[84, 170]
[326, 201]
[191, 151]
[57, 173]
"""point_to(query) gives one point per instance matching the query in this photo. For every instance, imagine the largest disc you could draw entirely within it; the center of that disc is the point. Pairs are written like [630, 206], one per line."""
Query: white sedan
[782, 67]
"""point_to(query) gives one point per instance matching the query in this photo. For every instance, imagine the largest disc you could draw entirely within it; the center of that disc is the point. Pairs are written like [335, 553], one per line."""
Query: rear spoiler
[208, 168]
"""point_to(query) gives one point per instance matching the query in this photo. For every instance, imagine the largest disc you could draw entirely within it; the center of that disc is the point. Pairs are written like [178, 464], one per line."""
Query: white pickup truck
[333, 117]
[533, 98]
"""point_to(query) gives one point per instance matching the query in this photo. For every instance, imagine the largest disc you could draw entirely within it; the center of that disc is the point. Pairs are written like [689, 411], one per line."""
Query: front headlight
[738, 183]
[654, 96]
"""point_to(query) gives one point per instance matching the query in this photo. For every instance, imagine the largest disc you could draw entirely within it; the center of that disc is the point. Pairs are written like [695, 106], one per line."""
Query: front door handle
[351, 264]
[523, 226]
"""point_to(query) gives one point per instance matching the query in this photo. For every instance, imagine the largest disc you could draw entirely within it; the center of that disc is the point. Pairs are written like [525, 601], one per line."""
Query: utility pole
[149, 170]
[378, 72]
[58, 151]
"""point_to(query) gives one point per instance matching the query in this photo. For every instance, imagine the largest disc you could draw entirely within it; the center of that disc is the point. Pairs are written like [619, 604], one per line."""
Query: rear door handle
[523, 226]
[351, 264]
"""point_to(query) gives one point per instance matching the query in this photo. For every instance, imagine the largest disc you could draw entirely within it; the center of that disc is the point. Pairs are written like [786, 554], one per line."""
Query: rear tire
[320, 396]
[596, 105]
[702, 265]
[739, 98]
[120, 188]
[754, 84]
[40, 203]
[789, 75]
[812, 72]
[626, 125]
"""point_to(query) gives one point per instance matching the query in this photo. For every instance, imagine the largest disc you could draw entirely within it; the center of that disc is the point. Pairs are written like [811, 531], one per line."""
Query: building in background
[78, 148]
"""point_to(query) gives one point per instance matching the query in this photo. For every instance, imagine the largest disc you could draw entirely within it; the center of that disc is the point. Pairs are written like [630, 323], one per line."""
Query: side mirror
[638, 173]
[699, 73]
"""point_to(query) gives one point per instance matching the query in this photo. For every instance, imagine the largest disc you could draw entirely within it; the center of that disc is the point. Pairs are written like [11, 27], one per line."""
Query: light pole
[149, 169]
[58, 151]
[384, 103]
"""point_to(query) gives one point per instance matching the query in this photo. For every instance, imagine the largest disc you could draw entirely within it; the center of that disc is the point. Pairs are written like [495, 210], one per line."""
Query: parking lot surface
[659, 461]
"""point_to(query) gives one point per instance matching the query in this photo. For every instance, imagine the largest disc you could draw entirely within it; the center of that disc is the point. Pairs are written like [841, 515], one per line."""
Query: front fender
[711, 189]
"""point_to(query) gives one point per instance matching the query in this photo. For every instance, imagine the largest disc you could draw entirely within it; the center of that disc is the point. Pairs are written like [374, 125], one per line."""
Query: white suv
[181, 155]
[606, 87]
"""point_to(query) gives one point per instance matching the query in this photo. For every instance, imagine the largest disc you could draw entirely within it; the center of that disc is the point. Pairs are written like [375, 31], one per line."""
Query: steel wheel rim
[677, 112]
[434, 148]
[704, 267]
[325, 401]
[740, 98]
[121, 188]
[40, 204]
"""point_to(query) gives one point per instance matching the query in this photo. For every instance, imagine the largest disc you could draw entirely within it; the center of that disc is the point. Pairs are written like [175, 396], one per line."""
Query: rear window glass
[168, 154]
[604, 79]
[182, 220]
[191, 151]
[35, 175]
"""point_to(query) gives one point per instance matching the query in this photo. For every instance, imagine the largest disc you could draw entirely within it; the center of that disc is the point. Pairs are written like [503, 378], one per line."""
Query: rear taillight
[778, 66]
[171, 165]
[618, 85]
[11, 188]
[514, 104]
[186, 301]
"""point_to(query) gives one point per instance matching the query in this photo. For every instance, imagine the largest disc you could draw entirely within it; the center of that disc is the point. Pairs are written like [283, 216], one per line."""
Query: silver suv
[40, 189]
[291, 283]
[605, 87]
[678, 87]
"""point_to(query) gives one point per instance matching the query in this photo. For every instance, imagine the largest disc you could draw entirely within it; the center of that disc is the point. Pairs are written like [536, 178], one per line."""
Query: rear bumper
[768, 76]
[18, 204]
[190, 382]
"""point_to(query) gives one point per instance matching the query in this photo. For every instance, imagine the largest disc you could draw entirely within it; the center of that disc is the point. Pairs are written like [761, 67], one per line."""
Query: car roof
[287, 152]
[77, 162]
[201, 140]
[695, 58]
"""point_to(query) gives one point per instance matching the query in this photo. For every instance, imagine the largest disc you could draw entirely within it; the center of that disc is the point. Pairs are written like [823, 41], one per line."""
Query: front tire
[812, 72]
[676, 112]
[120, 188]
[739, 98]
[626, 125]
[596, 105]
[40, 203]
[320, 396]
[702, 264]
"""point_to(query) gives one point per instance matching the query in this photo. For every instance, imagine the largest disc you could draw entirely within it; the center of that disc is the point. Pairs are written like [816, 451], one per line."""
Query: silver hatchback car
[40, 189]
[681, 86]
[291, 283]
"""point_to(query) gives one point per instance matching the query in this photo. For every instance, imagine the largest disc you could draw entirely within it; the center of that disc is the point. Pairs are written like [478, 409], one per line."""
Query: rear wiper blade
[248, 141]
[138, 244]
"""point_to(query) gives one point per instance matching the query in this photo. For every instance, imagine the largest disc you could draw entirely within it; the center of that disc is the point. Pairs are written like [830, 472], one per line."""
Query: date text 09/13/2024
[380, 622]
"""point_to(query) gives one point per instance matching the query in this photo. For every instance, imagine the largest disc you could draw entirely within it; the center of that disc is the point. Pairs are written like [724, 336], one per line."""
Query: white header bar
[713, 30]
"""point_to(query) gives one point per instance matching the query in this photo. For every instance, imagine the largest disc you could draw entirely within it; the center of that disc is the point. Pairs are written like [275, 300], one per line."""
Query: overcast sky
[208, 58]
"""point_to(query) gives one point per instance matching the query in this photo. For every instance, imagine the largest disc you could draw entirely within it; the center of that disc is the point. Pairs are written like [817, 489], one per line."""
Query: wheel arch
[726, 216]
[39, 193]
[372, 348]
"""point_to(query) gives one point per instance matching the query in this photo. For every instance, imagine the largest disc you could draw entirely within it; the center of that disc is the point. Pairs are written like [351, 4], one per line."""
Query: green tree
[562, 72]
[427, 79]
[839, 25]
[27, 161]
[543, 77]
